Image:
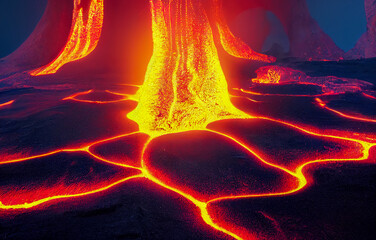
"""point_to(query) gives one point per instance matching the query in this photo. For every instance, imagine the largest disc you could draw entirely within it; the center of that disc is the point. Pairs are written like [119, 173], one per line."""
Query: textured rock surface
[329, 84]
[46, 41]
[371, 28]
[307, 39]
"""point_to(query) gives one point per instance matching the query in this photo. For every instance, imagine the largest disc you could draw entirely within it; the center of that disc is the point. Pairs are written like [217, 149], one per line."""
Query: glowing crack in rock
[185, 90]
[112, 97]
[322, 104]
[83, 38]
[6, 104]
[145, 170]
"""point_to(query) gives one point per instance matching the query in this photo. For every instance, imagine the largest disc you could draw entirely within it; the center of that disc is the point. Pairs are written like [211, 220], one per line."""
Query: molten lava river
[187, 154]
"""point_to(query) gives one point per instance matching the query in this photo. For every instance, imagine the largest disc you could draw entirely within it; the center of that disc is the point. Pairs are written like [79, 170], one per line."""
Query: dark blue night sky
[343, 20]
[18, 19]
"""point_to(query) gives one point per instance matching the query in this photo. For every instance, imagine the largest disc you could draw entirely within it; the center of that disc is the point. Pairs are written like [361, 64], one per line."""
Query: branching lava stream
[185, 91]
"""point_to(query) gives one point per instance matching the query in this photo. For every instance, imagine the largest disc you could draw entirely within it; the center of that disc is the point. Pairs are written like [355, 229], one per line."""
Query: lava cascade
[83, 38]
[185, 87]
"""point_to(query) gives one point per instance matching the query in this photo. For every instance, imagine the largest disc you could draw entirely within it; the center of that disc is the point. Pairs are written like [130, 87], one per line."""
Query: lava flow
[192, 140]
[112, 97]
[6, 103]
[324, 105]
[185, 87]
[84, 36]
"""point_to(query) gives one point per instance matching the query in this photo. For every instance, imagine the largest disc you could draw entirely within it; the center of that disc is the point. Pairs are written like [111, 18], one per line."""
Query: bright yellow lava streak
[185, 87]
[82, 40]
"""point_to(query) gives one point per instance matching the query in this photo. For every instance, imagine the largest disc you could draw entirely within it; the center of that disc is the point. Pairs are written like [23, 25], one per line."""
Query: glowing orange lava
[297, 173]
[6, 103]
[369, 96]
[276, 75]
[83, 38]
[276, 94]
[185, 89]
[272, 76]
[120, 97]
[364, 119]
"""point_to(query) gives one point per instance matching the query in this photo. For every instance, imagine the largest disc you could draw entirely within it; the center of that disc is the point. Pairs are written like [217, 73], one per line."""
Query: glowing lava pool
[86, 153]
